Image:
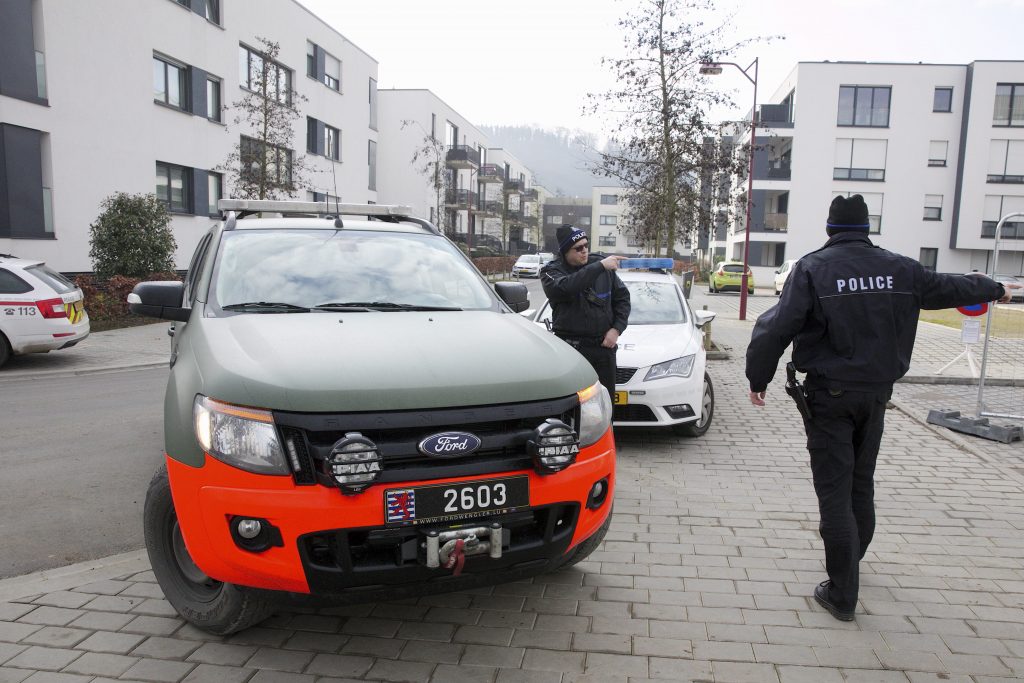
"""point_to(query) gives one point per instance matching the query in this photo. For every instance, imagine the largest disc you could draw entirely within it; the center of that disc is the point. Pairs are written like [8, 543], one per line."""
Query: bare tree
[429, 160]
[262, 164]
[660, 118]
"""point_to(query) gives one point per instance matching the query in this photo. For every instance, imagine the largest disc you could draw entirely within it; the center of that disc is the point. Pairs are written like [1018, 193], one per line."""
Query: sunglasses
[581, 248]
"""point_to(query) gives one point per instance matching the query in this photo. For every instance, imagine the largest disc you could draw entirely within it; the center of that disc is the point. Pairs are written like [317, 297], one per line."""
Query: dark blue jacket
[850, 310]
[587, 301]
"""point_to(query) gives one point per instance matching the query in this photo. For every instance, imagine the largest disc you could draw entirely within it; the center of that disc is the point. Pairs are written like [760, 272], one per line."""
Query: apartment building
[558, 211]
[937, 151]
[611, 229]
[136, 96]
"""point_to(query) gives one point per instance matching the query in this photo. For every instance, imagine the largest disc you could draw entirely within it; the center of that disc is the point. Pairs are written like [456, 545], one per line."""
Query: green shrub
[131, 237]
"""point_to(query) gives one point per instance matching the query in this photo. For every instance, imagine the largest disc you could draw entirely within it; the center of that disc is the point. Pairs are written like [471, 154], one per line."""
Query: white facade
[918, 141]
[102, 130]
[610, 223]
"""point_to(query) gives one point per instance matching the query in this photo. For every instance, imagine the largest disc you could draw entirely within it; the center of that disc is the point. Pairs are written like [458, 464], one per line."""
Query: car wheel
[588, 545]
[707, 411]
[5, 350]
[211, 605]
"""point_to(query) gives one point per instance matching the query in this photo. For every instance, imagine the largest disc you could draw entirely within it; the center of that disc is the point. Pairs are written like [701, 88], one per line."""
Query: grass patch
[1007, 323]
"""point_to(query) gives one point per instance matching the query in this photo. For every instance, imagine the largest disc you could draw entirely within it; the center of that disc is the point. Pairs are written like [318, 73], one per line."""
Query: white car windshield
[310, 268]
[655, 303]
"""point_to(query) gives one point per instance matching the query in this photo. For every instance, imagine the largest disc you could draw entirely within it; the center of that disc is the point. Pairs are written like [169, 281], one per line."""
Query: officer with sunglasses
[589, 303]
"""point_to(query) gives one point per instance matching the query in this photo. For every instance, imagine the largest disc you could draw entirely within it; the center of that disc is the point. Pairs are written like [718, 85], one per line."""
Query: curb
[73, 575]
[962, 381]
[57, 374]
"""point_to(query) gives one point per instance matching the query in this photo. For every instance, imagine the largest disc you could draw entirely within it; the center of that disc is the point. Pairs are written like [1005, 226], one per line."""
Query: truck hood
[373, 361]
[644, 345]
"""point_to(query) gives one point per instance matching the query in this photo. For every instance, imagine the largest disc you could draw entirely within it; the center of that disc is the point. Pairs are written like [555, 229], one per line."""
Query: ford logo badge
[449, 444]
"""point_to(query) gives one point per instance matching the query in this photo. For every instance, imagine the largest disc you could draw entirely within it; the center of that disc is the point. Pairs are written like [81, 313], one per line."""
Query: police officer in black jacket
[850, 310]
[589, 303]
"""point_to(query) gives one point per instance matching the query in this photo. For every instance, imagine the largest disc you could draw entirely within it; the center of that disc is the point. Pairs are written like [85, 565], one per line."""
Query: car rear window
[12, 284]
[58, 282]
[732, 269]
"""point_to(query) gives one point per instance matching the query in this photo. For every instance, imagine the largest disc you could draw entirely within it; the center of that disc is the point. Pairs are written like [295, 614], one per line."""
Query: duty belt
[796, 392]
[581, 342]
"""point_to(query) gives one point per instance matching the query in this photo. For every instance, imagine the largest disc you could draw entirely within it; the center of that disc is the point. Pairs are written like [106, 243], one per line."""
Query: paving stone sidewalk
[706, 575]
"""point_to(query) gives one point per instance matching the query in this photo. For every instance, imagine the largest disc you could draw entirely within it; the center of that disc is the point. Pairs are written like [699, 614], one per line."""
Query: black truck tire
[213, 606]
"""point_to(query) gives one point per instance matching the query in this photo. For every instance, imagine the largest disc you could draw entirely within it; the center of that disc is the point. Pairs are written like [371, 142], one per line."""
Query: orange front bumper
[206, 497]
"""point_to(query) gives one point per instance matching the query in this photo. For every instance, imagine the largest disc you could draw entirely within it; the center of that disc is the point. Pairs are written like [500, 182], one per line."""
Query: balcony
[491, 173]
[776, 222]
[459, 199]
[462, 156]
[778, 170]
[489, 208]
[774, 116]
[530, 195]
[515, 215]
[514, 186]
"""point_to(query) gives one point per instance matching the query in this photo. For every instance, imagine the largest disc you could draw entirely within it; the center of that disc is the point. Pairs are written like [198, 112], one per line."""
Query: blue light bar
[663, 263]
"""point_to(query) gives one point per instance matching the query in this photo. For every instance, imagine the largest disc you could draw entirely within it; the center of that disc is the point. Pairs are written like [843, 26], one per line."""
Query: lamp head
[710, 68]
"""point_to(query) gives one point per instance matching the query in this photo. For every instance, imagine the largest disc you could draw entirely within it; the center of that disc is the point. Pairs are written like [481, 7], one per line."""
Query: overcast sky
[534, 61]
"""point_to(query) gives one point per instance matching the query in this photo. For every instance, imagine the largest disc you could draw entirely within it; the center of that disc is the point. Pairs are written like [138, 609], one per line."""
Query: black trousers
[603, 361]
[843, 440]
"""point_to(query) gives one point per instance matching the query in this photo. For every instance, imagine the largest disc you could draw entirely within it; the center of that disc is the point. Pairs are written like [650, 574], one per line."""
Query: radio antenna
[337, 200]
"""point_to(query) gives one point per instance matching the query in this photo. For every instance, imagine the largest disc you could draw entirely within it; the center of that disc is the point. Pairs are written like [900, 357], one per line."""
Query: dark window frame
[218, 91]
[934, 260]
[186, 188]
[935, 100]
[251, 146]
[211, 203]
[280, 69]
[184, 86]
[614, 199]
[601, 219]
[857, 95]
[607, 240]
[1014, 88]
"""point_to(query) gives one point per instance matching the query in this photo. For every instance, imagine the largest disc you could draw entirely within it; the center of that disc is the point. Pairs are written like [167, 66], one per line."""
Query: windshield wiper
[266, 307]
[380, 306]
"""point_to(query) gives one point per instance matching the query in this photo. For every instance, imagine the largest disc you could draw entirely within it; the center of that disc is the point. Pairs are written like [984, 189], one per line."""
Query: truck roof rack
[232, 209]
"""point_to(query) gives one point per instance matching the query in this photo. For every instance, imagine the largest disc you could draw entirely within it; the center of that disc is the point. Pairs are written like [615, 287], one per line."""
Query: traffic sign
[974, 309]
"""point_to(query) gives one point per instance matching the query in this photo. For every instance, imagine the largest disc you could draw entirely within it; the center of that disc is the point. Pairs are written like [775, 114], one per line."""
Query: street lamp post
[714, 69]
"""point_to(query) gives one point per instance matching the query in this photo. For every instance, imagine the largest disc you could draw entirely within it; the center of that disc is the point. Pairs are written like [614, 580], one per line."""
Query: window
[310, 59]
[584, 221]
[12, 284]
[1006, 161]
[213, 108]
[211, 10]
[323, 139]
[607, 241]
[995, 208]
[554, 220]
[373, 104]
[332, 143]
[933, 207]
[929, 258]
[859, 159]
[325, 197]
[937, 151]
[255, 74]
[172, 186]
[1009, 108]
[170, 83]
[371, 158]
[214, 191]
[47, 211]
[255, 155]
[40, 75]
[332, 72]
[874, 202]
[609, 199]
[943, 100]
[864, 106]
[608, 220]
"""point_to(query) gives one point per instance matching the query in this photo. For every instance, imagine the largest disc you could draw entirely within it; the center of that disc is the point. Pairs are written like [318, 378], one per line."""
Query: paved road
[76, 454]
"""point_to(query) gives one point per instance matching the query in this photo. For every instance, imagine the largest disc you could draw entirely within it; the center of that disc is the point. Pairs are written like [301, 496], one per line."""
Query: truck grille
[503, 431]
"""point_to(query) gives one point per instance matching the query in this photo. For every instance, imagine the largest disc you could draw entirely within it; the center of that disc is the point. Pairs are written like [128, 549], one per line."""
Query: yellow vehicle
[728, 277]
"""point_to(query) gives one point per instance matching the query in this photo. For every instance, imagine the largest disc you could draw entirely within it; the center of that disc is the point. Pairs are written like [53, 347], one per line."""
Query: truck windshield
[310, 268]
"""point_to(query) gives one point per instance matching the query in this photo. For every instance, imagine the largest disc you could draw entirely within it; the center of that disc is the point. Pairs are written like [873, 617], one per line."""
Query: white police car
[40, 309]
[662, 379]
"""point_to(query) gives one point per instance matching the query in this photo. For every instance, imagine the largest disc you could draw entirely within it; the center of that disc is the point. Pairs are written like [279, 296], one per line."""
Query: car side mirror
[702, 318]
[514, 294]
[159, 299]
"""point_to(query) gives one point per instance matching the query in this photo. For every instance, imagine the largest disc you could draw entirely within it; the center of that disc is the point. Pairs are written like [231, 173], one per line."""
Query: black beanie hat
[847, 215]
[568, 236]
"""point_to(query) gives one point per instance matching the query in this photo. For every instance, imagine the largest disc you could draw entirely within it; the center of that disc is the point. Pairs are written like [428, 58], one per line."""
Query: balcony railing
[514, 186]
[489, 208]
[514, 214]
[774, 116]
[530, 195]
[776, 222]
[461, 199]
[463, 156]
[491, 173]
[779, 171]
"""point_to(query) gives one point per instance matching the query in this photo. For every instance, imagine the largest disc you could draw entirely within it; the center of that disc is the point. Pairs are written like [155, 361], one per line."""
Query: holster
[796, 391]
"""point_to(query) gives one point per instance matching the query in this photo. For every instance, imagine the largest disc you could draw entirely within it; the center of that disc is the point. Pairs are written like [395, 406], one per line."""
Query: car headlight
[595, 413]
[678, 367]
[241, 437]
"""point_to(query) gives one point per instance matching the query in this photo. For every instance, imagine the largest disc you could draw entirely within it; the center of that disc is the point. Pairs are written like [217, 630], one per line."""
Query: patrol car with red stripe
[40, 309]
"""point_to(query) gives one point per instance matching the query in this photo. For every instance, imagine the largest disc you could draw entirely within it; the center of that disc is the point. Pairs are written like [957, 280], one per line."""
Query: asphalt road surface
[76, 456]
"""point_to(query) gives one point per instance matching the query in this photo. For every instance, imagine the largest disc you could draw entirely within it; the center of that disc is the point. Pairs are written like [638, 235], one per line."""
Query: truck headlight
[595, 413]
[241, 437]
[679, 367]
